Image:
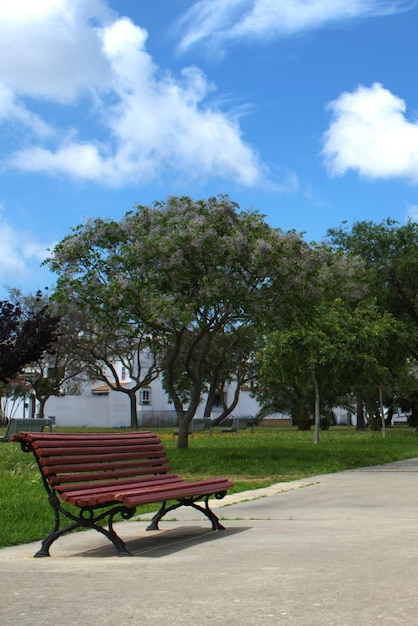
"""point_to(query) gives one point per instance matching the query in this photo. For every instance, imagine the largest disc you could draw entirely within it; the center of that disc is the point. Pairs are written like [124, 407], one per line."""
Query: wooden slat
[94, 497]
[142, 450]
[179, 491]
[113, 485]
[116, 485]
[39, 440]
[97, 476]
[105, 437]
[55, 462]
[149, 466]
[65, 468]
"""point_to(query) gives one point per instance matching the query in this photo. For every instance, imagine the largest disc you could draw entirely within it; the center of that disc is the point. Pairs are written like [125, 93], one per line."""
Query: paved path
[339, 550]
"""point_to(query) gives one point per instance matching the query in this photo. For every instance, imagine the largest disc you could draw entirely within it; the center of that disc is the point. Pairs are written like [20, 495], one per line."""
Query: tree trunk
[134, 410]
[228, 409]
[183, 418]
[303, 419]
[317, 409]
[382, 412]
[183, 436]
[212, 393]
[388, 419]
[41, 406]
[360, 411]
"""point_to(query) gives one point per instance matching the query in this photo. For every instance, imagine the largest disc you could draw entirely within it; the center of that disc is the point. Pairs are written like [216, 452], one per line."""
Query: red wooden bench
[108, 474]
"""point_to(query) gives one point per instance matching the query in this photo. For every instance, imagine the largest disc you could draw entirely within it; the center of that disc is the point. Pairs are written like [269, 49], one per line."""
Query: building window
[145, 396]
[218, 401]
[124, 373]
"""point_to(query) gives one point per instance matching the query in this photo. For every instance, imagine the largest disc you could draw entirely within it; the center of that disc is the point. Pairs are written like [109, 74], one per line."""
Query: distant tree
[296, 341]
[231, 364]
[339, 349]
[55, 372]
[389, 251]
[118, 354]
[330, 339]
[24, 337]
[12, 395]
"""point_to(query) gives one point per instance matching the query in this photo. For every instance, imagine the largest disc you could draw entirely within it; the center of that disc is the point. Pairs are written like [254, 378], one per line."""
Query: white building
[98, 405]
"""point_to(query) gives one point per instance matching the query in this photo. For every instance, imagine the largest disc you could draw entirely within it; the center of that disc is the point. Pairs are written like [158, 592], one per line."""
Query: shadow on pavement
[164, 542]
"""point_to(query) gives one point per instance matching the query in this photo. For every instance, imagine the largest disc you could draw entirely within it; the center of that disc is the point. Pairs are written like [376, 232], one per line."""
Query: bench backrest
[69, 460]
[239, 423]
[20, 424]
[199, 424]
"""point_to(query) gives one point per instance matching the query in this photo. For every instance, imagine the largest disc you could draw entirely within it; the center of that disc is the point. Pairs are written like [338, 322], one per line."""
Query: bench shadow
[164, 542]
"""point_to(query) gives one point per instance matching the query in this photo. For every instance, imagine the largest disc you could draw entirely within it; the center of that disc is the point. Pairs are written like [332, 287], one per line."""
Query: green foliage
[390, 254]
[343, 345]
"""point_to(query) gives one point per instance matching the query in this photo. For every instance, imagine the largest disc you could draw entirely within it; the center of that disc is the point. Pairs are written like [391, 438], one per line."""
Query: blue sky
[303, 109]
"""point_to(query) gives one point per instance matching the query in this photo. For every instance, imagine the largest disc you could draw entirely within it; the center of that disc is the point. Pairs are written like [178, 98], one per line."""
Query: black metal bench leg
[53, 536]
[44, 550]
[86, 520]
[216, 524]
[159, 514]
[206, 510]
[55, 532]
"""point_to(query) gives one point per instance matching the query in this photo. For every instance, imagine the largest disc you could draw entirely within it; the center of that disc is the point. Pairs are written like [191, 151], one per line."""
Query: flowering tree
[180, 271]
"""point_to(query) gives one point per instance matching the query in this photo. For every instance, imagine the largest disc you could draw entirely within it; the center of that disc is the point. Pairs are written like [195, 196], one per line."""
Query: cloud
[50, 49]
[131, 122]
[20, 255]
[12, 110]
[370, 134]
[413, 212]
[220, 22]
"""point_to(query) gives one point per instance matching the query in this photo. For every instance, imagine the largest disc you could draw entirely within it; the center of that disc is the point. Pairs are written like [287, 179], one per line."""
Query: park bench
[108, 474]
[197, 425]
[20, 424]
[238, 423]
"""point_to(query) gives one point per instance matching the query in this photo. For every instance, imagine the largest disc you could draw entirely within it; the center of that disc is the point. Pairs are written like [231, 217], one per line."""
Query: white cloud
[20, 255]
[12, 110]
[49, 48]
[146, 122]
[371, 134]
[219, 22]
[413, 212]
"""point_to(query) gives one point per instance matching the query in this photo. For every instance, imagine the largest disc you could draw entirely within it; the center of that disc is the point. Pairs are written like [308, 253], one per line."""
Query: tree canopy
[199, 285]
[182, 271]
[390, 253]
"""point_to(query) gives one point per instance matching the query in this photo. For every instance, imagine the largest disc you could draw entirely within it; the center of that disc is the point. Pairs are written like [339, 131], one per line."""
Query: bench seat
[197, 425]
[239, 423]
[115, 473]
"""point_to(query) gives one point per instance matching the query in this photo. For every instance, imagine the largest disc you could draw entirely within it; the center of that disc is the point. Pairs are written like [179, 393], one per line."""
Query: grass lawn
[250, 460]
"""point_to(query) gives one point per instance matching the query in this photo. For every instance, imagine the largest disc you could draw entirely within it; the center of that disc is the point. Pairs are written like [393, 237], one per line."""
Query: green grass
[267, 456]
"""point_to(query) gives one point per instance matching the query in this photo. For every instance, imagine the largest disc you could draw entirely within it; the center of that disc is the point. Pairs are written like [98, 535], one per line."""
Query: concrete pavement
[338, 550]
